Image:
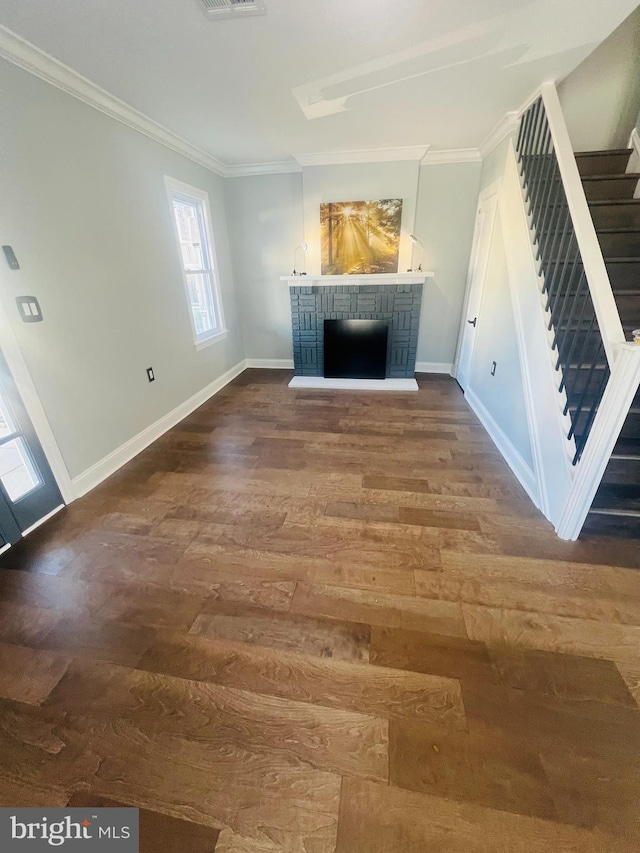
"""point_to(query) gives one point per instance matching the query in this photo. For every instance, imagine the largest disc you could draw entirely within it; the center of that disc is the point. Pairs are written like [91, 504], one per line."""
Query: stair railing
[583, 317]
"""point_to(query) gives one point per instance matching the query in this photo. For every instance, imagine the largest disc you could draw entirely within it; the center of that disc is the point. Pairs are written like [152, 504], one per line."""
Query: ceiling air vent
[217, 9]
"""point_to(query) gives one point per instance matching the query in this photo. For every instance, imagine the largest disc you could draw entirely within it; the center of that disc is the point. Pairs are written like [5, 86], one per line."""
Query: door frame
[32, 403]
[478, 262]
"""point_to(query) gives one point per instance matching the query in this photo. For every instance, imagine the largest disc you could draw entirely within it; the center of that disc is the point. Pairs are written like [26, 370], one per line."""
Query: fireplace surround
[395, 299]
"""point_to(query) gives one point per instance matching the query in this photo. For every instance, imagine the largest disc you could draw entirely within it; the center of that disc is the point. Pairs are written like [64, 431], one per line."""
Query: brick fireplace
[396, 299]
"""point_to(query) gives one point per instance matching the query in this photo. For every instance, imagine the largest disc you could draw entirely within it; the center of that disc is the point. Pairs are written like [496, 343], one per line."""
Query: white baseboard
[287, 364]
[434, 367]
[354, 384]
[270, 363]
[94, 475]
[523, 473]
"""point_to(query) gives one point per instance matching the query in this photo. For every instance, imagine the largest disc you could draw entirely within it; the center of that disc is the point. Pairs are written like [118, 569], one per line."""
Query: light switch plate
[29, 309]
[11, 258]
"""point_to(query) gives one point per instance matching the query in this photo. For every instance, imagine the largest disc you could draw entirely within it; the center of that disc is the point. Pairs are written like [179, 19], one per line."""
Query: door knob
[473, 322]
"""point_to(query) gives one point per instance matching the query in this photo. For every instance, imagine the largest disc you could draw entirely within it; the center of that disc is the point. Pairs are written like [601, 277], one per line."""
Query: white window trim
[207, 339]
[211, 336]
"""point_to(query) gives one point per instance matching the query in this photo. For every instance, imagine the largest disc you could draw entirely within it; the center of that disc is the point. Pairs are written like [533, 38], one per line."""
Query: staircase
[584, 225]
[616, 215]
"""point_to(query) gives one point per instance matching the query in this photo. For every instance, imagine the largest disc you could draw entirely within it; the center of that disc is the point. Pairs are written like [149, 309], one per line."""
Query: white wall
[493, 164]
[359, 182]
[265, 219]
[502, 395]
[601, 97]
[445, 217]
[270, 215]
[84, 207]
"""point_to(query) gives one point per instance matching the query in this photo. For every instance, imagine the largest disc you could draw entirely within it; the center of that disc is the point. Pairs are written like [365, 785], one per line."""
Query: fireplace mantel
[356, 280]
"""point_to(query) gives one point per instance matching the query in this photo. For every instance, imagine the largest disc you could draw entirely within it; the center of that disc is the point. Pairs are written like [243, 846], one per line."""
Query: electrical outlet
[150, 374]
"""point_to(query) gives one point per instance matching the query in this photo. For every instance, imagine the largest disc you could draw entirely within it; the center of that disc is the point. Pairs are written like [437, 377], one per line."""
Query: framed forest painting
[360, 237]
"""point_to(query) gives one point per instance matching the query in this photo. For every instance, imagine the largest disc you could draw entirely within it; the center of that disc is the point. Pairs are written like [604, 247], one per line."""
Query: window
[192, 220]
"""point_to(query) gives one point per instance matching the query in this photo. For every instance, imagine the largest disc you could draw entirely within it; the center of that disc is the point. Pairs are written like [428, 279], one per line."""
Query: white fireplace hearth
[321, 382]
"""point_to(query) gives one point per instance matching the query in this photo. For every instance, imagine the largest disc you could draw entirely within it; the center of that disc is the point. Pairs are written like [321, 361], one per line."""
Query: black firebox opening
[355, 349]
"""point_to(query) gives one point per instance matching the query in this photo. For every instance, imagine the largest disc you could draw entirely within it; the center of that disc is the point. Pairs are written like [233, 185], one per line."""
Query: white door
[485, 219]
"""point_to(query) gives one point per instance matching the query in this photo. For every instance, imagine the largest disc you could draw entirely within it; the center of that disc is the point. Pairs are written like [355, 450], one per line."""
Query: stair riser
[623, 276]
[576, 347]
[574, 343]
[607, 189]
[618, 527]
[625, 471]
[603, 164]
[627, 447]
[564, 292]
[628, 308]
[620, 244]
[619, 496]
[555, 241]
[616, 215]
[578, 380]
[630, 431]
[631, 428]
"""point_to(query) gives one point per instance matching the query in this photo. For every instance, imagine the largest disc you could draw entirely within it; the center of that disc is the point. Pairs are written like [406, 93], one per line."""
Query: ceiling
[320, 75]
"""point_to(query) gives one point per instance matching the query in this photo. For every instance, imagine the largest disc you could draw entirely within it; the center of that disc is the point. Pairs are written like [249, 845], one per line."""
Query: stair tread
[614, 176]
[603, 152]
[620, 260]
[628, 513]
[610, 259]
[623, 229]
[617, 498]
[586, 366]
[599, 202]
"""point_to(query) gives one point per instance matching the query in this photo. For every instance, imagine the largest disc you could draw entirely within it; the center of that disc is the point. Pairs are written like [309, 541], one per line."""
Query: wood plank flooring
[325, 622]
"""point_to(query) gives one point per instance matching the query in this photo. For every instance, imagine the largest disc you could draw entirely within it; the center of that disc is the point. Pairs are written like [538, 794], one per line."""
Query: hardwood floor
[325, 622]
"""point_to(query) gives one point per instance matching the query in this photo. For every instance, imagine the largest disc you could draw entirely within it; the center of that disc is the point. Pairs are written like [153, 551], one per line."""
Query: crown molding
[27, 56]
[507, 124]
[453, 155]
[280, 167]
[367, 155]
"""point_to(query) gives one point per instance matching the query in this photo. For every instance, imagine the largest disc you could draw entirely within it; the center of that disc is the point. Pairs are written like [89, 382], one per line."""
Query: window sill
[203, 342]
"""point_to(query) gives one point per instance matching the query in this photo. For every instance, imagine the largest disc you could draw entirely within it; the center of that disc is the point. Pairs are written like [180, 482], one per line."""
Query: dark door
[28, 490]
